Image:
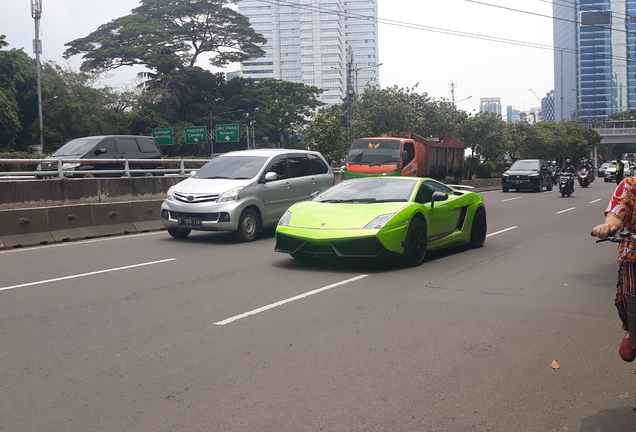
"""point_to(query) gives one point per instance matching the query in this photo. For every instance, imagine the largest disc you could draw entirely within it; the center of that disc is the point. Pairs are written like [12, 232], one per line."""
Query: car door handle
[288, 185]
[313, 181]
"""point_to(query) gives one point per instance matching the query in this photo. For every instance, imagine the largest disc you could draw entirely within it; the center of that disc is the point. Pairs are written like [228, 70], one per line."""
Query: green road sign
[195, 135]
[227, 133]
[163, 136]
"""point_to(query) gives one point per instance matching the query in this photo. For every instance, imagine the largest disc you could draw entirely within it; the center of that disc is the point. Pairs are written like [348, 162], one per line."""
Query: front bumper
[520, 182]
[344, 243]
[209, 216]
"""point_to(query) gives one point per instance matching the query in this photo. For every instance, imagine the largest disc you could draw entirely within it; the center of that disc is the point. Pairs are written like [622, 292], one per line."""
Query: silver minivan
[244, 191]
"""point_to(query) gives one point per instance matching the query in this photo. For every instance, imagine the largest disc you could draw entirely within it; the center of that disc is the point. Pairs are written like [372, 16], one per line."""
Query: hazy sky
[409, 53]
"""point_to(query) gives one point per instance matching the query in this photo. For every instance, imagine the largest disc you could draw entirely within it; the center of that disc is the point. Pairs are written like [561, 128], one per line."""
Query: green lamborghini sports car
[383, 216]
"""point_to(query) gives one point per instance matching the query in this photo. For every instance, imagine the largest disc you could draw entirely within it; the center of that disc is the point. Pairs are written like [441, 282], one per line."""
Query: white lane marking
[85, 274]
[79, 242]
[511, 199]
[291, 299]
[596, 200]
[502, 231]
[566, 210]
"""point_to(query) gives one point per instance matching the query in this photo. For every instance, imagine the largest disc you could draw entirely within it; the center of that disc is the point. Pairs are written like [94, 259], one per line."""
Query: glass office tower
[594, 58]
[307, 42]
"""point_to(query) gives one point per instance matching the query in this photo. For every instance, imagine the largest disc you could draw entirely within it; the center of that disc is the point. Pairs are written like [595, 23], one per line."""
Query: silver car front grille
[190, 198]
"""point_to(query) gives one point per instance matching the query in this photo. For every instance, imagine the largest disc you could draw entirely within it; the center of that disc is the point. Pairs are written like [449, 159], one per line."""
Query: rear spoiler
[461, 186]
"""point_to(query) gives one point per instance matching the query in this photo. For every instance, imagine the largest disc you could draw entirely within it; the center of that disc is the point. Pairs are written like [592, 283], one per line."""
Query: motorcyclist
[585, 164]
[568, 168]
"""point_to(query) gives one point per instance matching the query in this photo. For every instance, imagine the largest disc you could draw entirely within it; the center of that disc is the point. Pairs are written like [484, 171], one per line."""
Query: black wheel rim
[417, 241]
[480, 227]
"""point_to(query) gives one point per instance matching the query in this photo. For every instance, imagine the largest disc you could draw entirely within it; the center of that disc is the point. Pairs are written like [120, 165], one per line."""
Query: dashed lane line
[86, 274]
[291, 299]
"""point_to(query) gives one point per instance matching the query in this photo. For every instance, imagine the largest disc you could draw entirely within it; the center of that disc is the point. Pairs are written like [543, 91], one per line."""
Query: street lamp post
[356, 69]
[36, 13]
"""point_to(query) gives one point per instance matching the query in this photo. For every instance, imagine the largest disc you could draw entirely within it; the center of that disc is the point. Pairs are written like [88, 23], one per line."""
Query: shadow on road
[610, 420]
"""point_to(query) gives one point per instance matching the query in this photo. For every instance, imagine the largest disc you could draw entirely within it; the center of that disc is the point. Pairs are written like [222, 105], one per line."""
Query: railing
[126, 171]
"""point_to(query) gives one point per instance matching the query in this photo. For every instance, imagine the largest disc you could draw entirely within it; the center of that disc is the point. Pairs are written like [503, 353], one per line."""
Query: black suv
[104, 147]
[527, 174]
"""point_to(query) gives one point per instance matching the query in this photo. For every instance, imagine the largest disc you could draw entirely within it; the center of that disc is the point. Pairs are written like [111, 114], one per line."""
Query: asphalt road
[149, 333]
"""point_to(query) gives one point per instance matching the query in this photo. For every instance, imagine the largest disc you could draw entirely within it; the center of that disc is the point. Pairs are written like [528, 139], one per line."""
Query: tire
[540, 185]
[179, 232]
[148, 174]
[301, 255]
[415, 244]
[247, 226]
[562, 193]
[505, 189]
[479, 228]
[549, 186]
[88, 176]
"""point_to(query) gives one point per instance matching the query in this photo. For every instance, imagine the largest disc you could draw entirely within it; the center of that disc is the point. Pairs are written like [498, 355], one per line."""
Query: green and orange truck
[405, 154]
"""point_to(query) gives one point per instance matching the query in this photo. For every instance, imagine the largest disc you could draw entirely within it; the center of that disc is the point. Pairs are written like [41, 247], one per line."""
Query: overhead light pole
[36, 13]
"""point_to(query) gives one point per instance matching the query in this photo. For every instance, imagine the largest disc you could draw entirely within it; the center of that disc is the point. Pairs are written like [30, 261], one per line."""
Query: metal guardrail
[63, 172]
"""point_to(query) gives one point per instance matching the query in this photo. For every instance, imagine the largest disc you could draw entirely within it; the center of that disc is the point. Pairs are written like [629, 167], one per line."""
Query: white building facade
[307, 42]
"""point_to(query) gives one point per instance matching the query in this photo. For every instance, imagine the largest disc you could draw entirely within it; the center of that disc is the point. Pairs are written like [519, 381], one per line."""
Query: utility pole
[350, 92]
[36, 13]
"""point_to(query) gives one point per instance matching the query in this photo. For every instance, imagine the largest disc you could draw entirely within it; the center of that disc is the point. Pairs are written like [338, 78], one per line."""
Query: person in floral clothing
[621, 211]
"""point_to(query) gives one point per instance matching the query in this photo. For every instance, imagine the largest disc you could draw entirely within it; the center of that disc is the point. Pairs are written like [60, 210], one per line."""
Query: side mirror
[438, 196]
[271, 176]
[506, 168]
[193, 172]
[100, 151]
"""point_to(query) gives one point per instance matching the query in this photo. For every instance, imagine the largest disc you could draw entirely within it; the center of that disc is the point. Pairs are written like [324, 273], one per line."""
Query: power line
[403, 24]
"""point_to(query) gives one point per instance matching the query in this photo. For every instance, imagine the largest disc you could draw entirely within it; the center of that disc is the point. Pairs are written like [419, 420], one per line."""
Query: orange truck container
[405, 154]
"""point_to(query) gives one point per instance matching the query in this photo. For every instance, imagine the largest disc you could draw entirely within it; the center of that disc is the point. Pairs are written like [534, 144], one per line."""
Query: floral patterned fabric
[623, 205]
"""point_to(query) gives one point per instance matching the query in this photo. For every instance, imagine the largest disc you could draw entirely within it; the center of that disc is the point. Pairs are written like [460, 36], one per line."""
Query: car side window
[409, 148]
[147, 145]
[424, 195]
[438, 187]
[299, 166]
[109, 146]
[280, 168]
[318, 166]
[127, 146]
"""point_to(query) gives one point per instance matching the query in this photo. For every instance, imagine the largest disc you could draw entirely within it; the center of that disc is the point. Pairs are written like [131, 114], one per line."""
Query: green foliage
[9, 121]
[484, 134]
[165, 35]
[378, 111]
[326, 134]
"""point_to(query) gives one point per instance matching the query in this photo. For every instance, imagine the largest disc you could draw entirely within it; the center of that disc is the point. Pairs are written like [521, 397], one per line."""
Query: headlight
[505, 174]
[379, 221]
[170, 194]
[284, 221]
[231, 195]
[533, 175]
[70, 165]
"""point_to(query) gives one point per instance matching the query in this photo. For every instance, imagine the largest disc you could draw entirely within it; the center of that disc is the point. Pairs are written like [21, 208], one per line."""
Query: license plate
[516, 181]
[193, 222]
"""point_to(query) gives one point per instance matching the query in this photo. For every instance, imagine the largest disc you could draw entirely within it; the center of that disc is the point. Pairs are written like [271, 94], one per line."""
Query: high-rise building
[547, 107]
[492, 105]
[594, 58]
[308, 41]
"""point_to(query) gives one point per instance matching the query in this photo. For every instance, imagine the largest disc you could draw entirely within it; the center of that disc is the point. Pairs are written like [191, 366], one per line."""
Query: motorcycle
[555, 177]
[584, 177]
[566, 184]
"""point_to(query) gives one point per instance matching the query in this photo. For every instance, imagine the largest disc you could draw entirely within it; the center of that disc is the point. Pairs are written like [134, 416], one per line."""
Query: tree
[9, 122]
[484, 133]
[164, 35]
[325, 132]
[285, 108]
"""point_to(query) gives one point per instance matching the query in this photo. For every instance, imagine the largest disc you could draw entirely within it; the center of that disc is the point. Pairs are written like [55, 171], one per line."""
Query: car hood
[208, 186]
[521, 172]
[315, 215]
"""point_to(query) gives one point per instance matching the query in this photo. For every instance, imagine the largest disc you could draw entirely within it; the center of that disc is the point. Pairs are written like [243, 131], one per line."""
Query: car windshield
[374, 152]
[232, 167]
[368, 191]
[77, 147]
[605, 165]
[524, 165]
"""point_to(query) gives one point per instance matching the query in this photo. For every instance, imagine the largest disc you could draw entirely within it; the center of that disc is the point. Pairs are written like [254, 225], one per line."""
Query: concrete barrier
[146, 215]
[112, 219]
[24, 227]
[71, 223]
